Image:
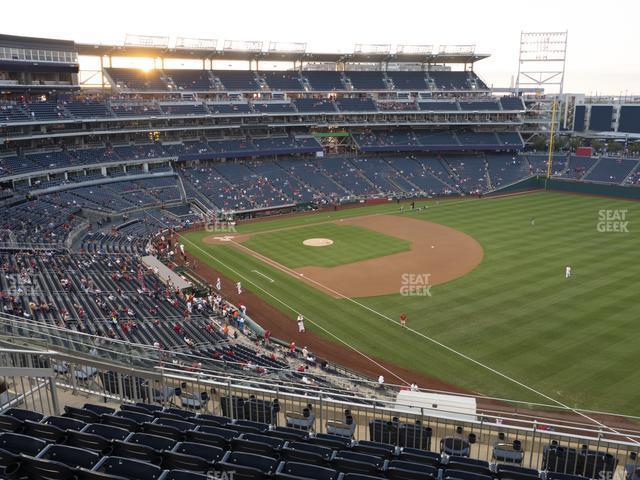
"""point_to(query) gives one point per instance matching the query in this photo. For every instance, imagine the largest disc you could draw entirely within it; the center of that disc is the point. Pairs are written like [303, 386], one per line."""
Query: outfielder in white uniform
[239, 288]
[567, 271]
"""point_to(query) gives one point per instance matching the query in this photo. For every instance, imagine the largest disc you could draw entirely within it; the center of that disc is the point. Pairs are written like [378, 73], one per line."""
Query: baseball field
[482, 282]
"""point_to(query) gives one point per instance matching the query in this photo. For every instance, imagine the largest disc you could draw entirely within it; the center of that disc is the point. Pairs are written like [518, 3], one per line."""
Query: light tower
[542, 60]
[540, 79]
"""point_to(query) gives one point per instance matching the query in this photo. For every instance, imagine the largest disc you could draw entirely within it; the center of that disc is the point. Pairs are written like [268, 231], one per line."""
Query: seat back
[209, 452]
[17, 443]
[70, 456]
[22, 414]
[41, 469]
[156, 442]
[185, 475]
[126, 467]
[106, 431]
[50, 433]
[295, 470]
[65, 423]
[82, 414]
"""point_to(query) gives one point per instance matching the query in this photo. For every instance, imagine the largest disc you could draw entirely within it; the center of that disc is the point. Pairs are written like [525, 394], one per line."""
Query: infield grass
[351, 243]
[575, 340]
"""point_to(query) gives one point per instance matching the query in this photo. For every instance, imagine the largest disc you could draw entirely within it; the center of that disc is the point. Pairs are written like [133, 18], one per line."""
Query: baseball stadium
[255, 260]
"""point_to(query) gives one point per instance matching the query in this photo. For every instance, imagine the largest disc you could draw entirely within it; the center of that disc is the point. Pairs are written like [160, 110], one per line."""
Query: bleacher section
[611, 170]
[324, 81]
[68, 111]
[136, 79]
[314, 105]
[237, 80]
[356, 105]
[190, 80]
[366, 80]
[406, 140]
[414, 81]
[286, 81]
[512, 103]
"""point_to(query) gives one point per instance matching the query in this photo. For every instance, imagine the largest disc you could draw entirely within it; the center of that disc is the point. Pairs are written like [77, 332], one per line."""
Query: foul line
[263, 275]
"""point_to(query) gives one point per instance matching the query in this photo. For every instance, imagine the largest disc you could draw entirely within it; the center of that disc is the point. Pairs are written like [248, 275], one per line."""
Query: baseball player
[218, 284]
[403, 319]
[567, 271]
[239, 288]
[300, 323]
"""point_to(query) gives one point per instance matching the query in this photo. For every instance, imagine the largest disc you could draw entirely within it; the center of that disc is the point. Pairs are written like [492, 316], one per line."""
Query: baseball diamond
[509, 306]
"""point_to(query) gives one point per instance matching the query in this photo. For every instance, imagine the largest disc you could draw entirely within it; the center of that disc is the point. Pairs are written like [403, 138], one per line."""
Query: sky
[603, 37]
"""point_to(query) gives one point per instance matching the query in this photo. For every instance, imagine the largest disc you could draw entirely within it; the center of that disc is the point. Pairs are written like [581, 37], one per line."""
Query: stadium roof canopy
[277, 56]
[160, 48]
[15, 41]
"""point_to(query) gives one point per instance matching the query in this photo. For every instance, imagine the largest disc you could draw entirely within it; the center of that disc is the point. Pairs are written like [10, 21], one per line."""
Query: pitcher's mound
[317, 242]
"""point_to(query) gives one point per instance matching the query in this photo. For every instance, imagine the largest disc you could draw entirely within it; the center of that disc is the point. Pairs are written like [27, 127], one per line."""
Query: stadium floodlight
[243, 45]
[457, 49]
[196, 43]
[154, 41]
[414, 49]
[288, 47]
[372, 48]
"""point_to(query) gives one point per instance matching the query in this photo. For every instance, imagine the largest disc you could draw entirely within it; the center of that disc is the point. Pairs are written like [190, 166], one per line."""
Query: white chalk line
[271, 280]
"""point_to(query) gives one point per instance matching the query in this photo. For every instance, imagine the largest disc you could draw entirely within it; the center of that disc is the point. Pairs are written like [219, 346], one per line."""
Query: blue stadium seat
[22, 414]
[126, 467]
[185, 475]
[70, 456]
[155, 442]
[403, 470]
[347, 461]
[420, 456]
[303, 471]
[306, 453]
[452, 474]
[50, 433]
[10, 424]
[30, 468]
[248, 466]
[455, 447]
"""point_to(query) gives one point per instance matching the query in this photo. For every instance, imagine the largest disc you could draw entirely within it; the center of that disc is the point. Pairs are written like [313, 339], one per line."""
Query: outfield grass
[575, 340]
[351, 243]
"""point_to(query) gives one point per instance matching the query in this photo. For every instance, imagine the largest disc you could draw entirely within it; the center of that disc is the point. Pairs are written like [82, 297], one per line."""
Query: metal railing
[36, 373]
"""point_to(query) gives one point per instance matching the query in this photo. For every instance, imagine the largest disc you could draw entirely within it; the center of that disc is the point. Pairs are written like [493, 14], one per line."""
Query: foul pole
[554, 108]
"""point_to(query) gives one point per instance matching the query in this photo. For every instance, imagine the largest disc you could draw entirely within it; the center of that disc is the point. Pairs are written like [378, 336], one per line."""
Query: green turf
[575, 340]
[351, 244]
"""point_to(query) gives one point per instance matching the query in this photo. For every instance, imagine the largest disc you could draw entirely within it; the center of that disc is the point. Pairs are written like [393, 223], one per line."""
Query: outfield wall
[555, 184]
